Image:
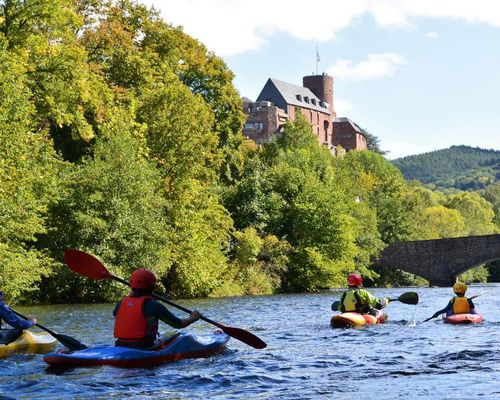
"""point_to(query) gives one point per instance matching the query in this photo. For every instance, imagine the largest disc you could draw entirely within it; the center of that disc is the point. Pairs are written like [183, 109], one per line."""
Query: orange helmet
[142, 279]
[354, 280]
[460, 288]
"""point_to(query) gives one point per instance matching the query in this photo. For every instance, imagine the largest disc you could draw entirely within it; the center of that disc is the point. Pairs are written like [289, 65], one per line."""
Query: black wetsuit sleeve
[471, 304]
[448, 307]
[341, 303]
[117, 306]
[154, 308]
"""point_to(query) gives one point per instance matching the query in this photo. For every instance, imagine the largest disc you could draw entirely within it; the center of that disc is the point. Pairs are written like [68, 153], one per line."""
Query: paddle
[480, 294]
[407, 298]
[71, 343]
[437, 313]
[89, 266]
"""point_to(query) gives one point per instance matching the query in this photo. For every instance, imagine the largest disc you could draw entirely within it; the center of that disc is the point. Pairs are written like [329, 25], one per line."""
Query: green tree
[28, 171]
[113, 207]
[439, 222]
[492, 194]
[375, 181]
[310, 209]
[477, 213]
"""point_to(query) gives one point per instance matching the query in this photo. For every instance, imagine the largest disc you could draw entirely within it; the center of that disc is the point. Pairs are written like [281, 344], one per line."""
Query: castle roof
[294, 95]
[351, 122]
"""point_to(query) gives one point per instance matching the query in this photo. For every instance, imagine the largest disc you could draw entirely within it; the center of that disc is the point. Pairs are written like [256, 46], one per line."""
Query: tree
[373, 142]
[113, 207]
[476, 211]
[28, 170]
[492, 194]
[376, 181]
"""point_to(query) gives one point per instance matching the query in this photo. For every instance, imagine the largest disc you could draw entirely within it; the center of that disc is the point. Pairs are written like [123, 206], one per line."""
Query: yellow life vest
[351, 301]
[460, 305]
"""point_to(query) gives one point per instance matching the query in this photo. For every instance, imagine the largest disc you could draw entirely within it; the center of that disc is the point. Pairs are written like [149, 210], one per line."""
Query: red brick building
[280, 101]
[348, 135]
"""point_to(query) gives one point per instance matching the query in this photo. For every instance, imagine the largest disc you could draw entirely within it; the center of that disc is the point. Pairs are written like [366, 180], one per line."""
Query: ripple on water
[305, 358]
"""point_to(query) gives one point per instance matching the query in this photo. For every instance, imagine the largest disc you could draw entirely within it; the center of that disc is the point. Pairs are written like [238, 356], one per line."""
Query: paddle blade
[409, 298]
[86, 264]
[335, 305]
[71, 343]
[243, 336]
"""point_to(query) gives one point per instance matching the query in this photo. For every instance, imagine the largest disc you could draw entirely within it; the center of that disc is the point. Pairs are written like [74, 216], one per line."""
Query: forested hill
[460, 167]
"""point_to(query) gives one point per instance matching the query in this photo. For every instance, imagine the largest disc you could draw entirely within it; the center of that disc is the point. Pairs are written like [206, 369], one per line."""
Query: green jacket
[358, 300]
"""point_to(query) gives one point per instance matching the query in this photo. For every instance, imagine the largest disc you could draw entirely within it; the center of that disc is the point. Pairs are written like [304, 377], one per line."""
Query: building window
[313, 101]
[255, 125]
[306, 99]
[299, 97]
[346, 136]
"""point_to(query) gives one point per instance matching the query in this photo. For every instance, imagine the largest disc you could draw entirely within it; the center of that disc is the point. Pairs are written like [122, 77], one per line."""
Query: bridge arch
[440, 261]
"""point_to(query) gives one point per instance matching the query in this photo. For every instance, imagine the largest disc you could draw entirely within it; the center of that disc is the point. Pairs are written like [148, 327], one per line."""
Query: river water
[305, 358]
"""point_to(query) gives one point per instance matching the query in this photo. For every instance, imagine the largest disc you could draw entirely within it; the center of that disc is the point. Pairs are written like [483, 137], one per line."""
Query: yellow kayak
[29, 343]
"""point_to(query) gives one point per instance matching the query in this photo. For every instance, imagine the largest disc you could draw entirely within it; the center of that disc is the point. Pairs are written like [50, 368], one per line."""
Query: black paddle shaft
[165, 300]
[237, 333]
[68, 341]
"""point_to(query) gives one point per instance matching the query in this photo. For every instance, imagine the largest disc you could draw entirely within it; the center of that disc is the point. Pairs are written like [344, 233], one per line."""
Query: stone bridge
[441, 261]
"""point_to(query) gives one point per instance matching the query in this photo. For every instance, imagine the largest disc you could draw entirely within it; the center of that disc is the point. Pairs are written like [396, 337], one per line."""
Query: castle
[280, 101]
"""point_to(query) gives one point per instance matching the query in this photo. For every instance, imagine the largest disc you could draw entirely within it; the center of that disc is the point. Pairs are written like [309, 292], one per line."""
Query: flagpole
[317, 59]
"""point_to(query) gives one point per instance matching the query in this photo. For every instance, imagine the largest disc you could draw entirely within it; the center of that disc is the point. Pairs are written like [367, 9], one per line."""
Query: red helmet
[142, 279]
[354, 280]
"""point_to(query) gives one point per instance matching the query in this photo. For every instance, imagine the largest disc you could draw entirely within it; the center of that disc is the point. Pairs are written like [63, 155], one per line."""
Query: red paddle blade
[244, 336]
[85, 264]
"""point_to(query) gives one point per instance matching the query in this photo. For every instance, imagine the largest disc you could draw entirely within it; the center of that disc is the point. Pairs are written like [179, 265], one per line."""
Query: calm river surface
[305, 358]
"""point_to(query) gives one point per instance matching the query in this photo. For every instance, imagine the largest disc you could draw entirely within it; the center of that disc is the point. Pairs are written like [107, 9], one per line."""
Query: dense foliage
[459, 167]
[120, 135]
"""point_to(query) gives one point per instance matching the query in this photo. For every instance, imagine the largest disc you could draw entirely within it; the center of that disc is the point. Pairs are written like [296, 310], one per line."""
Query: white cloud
[432, 35]
[375, 66]
[342, 107]
[236, 26]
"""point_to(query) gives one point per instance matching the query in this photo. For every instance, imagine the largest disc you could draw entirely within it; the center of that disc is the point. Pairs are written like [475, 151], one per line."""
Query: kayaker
[19, 324]
[137, 315]
[458, 304]
[360, 300]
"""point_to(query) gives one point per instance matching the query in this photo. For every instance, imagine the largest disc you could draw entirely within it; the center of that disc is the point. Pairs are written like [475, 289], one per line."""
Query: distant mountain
[459, 167]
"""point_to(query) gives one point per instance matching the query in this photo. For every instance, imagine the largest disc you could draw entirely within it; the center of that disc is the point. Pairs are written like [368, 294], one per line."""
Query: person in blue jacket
[459, 304]
[18, 324]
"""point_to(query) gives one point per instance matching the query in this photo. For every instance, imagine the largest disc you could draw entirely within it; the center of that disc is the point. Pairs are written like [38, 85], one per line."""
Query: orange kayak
[349, 319]
[462, 318]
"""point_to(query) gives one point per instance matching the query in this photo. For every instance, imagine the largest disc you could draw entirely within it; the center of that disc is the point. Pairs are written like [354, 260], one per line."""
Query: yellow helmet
[459, 288]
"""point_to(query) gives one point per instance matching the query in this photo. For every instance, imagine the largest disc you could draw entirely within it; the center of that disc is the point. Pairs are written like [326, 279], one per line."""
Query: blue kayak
[177, 347]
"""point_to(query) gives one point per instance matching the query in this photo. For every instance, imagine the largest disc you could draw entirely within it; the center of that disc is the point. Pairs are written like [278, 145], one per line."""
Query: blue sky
[420, 75]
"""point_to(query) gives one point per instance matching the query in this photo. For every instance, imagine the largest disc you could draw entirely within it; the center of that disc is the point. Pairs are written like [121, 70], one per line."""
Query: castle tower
[322, 87]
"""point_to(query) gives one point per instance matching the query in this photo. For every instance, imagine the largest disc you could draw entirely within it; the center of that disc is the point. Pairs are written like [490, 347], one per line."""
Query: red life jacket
[131, 323]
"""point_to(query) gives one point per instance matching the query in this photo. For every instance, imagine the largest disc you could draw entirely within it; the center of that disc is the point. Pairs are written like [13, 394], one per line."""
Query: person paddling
[458, 304]
[19, 324]
[360, 300]
[137, 315]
